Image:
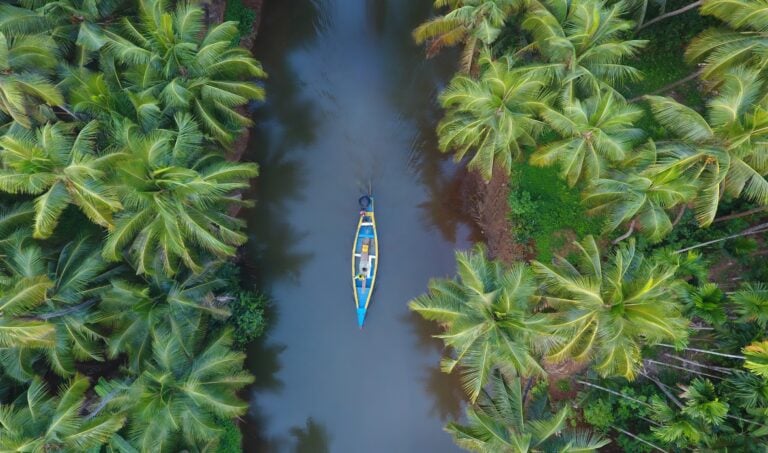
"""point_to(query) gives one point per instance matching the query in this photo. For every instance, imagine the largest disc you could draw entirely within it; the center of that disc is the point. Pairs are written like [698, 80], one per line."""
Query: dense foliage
[650, 326]
[116, 217]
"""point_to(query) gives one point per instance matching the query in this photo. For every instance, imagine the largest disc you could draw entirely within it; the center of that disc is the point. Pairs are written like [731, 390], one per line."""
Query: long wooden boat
[365, 258]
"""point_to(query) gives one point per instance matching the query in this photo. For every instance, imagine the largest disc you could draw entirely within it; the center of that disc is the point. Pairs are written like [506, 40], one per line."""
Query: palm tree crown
[164, 56]
[582, 44]
[489, 319]
[724, 152]
[492, 115]
[608, 311]
[595, 131]
[502, 422]
[61, 168]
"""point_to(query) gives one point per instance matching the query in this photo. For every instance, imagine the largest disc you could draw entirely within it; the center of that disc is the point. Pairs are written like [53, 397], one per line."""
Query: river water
[351, 104]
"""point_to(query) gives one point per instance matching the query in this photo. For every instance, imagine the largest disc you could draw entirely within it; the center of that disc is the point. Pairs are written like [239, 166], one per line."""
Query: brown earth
[487, 205]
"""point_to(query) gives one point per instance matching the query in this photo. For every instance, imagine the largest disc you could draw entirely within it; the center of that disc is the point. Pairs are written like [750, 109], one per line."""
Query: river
[351, 103]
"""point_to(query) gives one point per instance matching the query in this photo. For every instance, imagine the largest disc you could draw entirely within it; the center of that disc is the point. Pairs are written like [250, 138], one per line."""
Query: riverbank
[488, 206]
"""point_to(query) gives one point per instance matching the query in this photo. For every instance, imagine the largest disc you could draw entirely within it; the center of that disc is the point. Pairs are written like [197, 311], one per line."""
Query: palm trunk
[627, 433]
[670, 86]
[704, 351]
[671, 14]
[628, 233]
[740, 214]
[612, 392]
[664, 390]
[754, 230]
[687, 370]
[700, 365]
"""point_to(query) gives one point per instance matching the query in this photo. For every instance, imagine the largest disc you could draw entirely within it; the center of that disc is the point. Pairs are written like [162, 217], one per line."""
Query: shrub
[241, 14]
[542, 207]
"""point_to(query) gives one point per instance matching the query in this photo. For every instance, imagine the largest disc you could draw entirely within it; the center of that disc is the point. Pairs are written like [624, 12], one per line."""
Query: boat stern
[361, 316]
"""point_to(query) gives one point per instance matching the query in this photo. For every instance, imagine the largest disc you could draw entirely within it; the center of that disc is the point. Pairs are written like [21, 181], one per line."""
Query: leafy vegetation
[655, 314]
[115, 121]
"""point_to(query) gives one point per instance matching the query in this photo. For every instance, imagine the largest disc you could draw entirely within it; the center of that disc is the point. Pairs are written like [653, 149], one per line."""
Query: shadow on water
[312, 438]
[444, 208]
[270, 252]
[443, 388]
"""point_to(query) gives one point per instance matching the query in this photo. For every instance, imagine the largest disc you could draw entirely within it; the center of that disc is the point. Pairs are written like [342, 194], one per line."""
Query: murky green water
[351, 101]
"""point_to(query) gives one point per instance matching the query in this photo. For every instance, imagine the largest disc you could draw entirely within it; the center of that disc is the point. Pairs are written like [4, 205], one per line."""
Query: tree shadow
[447, 396]
[312, 438]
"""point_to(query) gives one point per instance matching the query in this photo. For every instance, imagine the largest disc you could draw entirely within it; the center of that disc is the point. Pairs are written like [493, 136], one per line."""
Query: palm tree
[175, 195]
[475, 23]
[61, 168]
[609, 311]
[751, 303]
[26, 64]
[488, 318]
[635, 193]
[723, 152]
[582, 44]
[39, 422]
[594, 132]
[168, 56]
[133, 311]
[187, 384]
[756, 358]
[494, 115]
[502, 422]
[56, 292]
[724, 49]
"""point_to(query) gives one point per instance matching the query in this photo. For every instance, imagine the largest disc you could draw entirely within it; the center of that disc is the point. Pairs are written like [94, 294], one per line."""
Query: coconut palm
[744, 43]
[188, 383]
[167, 55]
[751, 303]
[38, 422]
[60, 167]
[582, 44]
[27, 63]
[134, 311]
[474, 23]
[756, 358]
[594, 132]
[175, 195]
[724, 152]
[488, 317]
[501, 422]
[56, 291]
[492, 115]
[638, 195]
[609, 311]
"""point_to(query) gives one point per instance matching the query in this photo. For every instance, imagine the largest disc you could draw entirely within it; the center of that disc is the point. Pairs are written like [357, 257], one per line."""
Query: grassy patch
[544, 208]
[244, 16]
[662, 61]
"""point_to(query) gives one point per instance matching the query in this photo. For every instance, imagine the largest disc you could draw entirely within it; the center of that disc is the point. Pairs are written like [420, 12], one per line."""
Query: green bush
[231, 441]
[247, 317]
[240, 13]
[542, 207]
[599, 413]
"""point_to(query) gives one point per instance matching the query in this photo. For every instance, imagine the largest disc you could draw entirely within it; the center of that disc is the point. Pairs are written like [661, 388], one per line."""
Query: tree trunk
[613, 392]
[740, 214]
[670, 14]
[754, 230]
[687, 370]
[638, 438]
[679, 216]
[719, 369]
[664, 389]
[672, 85]
[704, 351]
[627, 234]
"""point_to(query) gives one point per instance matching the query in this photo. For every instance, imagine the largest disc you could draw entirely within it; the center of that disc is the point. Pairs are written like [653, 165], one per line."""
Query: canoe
[365, 258]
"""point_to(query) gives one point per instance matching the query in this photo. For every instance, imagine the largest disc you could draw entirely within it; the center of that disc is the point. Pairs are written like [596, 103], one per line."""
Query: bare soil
[487, 205]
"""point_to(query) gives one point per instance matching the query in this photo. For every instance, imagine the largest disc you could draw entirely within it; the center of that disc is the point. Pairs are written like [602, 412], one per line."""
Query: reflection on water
[351, 104]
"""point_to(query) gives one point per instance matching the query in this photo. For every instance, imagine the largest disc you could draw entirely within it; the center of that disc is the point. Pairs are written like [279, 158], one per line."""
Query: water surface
[351, 104]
